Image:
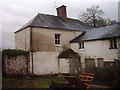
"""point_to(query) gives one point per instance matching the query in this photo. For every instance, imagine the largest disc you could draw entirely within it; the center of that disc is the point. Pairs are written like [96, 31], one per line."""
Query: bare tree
[94, 17]
[109, 21]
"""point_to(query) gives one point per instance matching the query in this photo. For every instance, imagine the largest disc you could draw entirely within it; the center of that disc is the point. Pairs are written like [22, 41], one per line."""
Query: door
[64, 66]
[74, 66]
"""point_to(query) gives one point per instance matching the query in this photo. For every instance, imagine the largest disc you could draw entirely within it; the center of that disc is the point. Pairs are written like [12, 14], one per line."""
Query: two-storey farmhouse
[58, 44]
[46, 37]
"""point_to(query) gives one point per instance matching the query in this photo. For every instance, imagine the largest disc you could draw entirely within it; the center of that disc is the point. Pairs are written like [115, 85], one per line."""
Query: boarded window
[89, 64]
[58, 39]
[109, 64]
[100, 62]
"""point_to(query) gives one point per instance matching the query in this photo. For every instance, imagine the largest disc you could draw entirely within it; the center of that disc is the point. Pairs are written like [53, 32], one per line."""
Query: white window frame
[58, 39]
[113, 43]
[81, 45]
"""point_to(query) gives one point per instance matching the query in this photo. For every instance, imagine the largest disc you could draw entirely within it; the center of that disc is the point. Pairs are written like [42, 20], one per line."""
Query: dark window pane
[58, 36]
[115, 43]
[79, 45]
[55, 36]
[83, 45]
[55, 41]
[58, 41]
[111, 43]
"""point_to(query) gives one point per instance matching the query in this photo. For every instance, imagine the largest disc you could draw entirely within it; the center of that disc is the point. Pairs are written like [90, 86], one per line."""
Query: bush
[105, 76]
[116, 82]
[14, 52]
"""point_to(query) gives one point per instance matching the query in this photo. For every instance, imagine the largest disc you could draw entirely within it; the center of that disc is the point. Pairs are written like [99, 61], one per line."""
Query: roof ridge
[110, 24]
[67, 18]
[57, 16]
[47, 14]
[34, 19]
[70, 24]
[99, 33]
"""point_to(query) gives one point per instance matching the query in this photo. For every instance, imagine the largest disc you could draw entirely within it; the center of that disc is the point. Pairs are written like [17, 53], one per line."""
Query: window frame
[113, 43]
[57, 39]
[81, 45]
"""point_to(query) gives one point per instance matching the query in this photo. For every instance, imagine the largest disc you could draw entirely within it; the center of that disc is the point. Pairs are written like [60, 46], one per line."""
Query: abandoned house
[58, 44]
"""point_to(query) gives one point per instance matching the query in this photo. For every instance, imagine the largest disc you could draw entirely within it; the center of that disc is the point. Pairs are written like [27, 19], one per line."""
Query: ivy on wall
[13, 52]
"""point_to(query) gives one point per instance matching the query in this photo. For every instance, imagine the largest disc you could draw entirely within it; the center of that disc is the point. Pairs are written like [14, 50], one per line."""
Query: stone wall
[15, 65]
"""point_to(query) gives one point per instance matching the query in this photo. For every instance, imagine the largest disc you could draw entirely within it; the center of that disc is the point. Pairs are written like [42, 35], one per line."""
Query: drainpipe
[80, 64]
[31, 49]
[59, 65]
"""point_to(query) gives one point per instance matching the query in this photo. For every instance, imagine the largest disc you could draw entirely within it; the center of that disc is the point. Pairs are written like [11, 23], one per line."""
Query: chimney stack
[61, 12]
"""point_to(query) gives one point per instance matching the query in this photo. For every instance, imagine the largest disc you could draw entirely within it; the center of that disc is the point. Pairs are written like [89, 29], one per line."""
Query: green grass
[38, 82]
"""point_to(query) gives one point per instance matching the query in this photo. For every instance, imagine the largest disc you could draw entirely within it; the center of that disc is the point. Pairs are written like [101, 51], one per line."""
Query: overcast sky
[15, 13]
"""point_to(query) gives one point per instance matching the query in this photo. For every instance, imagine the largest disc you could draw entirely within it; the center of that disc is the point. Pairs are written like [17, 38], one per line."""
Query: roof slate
[99, 33]
[69, 53]
[54, 22]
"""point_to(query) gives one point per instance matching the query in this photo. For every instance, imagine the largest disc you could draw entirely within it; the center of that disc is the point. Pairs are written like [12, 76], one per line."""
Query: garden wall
[15, 65]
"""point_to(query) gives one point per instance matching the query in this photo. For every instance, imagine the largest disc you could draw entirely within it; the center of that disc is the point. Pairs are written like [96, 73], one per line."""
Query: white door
[64, 65]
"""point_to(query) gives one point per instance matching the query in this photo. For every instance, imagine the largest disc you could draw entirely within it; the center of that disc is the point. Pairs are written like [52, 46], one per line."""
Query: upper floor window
[57, 39]
[113, 43]
[81, 45]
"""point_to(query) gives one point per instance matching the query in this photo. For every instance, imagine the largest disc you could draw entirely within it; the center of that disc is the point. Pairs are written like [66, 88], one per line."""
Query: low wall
[15, 65]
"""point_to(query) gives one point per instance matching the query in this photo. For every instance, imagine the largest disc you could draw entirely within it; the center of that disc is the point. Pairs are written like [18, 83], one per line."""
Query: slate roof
[99, 33]
[54, 22]
[69, 53]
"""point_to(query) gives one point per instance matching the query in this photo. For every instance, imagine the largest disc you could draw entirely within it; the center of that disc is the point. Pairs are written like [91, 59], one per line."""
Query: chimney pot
[61, 12]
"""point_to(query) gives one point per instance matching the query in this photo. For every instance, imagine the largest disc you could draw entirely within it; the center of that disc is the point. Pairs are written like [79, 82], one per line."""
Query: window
[113, 43]
[81, 45]
[57, 39]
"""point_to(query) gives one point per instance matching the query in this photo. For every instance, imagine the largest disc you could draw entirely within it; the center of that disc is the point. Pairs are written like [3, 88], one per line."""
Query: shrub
[13, 52]
[116, 82]
[103, 76]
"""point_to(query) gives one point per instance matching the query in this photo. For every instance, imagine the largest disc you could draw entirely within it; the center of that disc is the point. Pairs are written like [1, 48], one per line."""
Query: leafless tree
[94, 17]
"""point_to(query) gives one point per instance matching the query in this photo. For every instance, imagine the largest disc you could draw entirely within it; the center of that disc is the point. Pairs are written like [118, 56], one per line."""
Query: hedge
[13, 52]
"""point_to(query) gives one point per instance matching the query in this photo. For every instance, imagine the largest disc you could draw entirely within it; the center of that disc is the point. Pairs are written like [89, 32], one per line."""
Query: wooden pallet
[86, 78]
[83, 80]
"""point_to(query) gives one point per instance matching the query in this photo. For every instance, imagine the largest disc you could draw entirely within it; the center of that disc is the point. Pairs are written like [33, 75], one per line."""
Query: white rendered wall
[96, 49]
[45, 63]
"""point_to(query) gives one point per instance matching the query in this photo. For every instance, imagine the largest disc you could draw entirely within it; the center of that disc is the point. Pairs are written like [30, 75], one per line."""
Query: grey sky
[15, 13]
